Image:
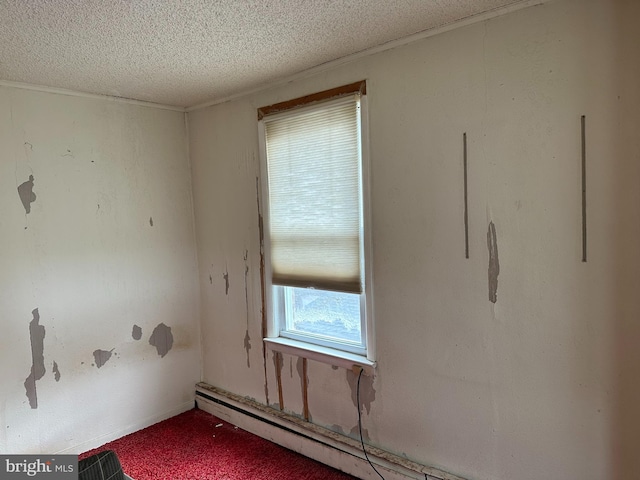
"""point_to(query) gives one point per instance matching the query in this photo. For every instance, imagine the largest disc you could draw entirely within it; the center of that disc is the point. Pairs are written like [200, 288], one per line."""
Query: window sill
[333, 357]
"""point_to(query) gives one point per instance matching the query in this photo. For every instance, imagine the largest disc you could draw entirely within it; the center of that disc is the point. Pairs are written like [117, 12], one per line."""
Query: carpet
[198, 446]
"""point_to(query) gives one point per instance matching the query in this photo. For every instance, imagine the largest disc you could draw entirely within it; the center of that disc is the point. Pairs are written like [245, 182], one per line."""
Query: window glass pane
[324, 313]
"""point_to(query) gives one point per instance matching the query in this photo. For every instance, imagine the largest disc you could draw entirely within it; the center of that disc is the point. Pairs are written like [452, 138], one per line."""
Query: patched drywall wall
[518, 362]
[80, 181]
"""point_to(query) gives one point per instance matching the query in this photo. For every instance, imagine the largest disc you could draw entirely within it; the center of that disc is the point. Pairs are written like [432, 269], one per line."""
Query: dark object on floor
[101, 466]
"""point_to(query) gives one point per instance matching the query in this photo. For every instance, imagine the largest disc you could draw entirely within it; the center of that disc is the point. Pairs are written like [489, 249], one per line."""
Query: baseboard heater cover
[314, 441]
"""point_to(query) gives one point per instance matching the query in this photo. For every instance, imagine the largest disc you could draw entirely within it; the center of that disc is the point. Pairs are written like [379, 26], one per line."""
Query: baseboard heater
[324, 445]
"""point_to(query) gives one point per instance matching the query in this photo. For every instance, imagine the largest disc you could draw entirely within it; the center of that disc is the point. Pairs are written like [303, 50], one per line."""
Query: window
[314, 193]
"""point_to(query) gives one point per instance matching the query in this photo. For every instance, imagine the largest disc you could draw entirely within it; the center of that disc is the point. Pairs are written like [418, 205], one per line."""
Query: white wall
[541, 384]
[87, 257]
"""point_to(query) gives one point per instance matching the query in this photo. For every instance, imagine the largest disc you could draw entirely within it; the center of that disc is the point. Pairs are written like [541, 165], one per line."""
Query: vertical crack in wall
[301, 366]
[263, 310]
[247, 338]
[102, 356]
[162, 339]
[278, 363]
[27, 196]
[36, 335]
[56, 371]
[494, 264]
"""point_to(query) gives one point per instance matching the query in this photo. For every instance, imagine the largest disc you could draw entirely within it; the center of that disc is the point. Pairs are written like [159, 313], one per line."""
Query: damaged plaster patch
[367, 392]
[278, 363]
[494, 264]
[247, 347]
[56, 372]
[226, 282]
[27, 197]
[301, 367]
[247, 338]
[162, 339]
[136, 332]
[102, 356]
[36, 334]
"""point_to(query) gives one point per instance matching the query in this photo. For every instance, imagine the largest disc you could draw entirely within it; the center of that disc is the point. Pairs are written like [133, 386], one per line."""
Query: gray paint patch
[36, 334]
[367, 392]
[136, 332]
[56, 372]
[102, 356]
[494, 264]
[162, 339]
[27, 197]
[355, 433]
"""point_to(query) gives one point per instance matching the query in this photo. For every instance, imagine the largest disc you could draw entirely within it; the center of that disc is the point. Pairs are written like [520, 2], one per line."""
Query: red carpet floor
[194, 446]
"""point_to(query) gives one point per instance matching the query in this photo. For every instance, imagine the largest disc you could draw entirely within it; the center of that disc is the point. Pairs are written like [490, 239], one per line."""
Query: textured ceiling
[187, 52]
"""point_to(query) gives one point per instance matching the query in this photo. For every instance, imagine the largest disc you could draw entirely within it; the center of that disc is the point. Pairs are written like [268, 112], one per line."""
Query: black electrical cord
[360, 424]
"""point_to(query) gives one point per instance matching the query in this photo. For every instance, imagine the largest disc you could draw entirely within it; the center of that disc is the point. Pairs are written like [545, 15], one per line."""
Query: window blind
[315, 206]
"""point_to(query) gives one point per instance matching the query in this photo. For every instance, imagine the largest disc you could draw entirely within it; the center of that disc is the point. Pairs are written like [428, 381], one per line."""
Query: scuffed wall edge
[314, 441]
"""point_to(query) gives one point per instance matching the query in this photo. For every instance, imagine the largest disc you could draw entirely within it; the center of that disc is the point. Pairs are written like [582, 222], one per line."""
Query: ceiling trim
[463, 22]
[74, 93]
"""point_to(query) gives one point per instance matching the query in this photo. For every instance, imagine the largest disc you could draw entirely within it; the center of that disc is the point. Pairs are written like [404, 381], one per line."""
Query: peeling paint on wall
[36, 335]
[278, 364]
[226, 282]
[162, 339]
[102, 356]
[263, 311]
[367, 392]
[27, 197]
[301, 367]
[136, 332]
[494, 264]
[247, 338]
[56, 372]
[247, 347]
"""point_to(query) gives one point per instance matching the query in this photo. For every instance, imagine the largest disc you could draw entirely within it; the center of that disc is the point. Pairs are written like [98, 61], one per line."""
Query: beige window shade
[314, 177]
